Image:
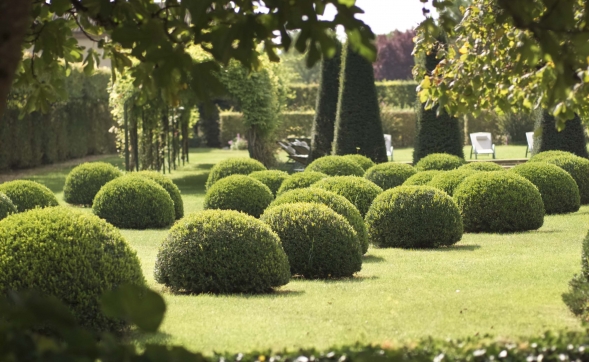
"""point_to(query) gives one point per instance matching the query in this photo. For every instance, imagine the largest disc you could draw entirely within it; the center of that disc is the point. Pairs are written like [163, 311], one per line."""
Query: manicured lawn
[501, 152]
[504, 285]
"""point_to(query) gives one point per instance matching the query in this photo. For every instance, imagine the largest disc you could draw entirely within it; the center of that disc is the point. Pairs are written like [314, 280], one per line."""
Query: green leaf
[138, 305]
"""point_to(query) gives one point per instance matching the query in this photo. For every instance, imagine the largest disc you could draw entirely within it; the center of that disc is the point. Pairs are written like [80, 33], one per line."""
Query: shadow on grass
[192, 184]
[457, 248]
[354, 279]
[372, 259]
[142, 339]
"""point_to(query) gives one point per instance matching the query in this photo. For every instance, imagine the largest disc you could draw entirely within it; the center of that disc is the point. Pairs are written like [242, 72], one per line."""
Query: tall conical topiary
[571, 138]
[436, 134]
[326, 109]
[358, 128]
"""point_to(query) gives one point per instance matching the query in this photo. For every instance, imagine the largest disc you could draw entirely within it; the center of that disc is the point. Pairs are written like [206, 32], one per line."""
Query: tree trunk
[15, 20]
[259, 148]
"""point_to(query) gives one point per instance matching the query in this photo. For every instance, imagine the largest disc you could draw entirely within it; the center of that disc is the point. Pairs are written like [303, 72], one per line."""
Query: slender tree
[571, 138]
[326, 109]
[358, 127]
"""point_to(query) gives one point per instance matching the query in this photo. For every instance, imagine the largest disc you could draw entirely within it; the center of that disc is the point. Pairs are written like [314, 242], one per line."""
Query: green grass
[505, 285]
[501, 153]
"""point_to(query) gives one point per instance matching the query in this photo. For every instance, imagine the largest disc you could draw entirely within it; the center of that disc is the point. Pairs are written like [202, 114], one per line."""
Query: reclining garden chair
[292, 153]
[388, 141]
[530, 138]
[482, 144]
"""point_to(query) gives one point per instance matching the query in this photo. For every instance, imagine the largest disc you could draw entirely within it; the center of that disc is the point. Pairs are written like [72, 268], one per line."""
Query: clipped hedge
[414, 217]
[439, 161]
[361, 160]
[335, 202]
[388, 175]
[358, 190]
[233, 166]
[241, 193]
[221, 251]
[27, 195]
[170, 188]
[577, 297]
[271, 178]
[319, 242]
[559, 190]
[421, 178]
[6, 206]
[448, 181]
[300, 180]
[134, 202]
[481, 166]
[576, 166]
[499, 202]
[69, 254]
[572, 138]
[85, 180]
[335, 166]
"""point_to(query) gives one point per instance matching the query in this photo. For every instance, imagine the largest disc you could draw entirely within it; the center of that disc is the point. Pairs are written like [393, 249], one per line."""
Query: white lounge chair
[388, 141]
[530, 138]
[482, 144]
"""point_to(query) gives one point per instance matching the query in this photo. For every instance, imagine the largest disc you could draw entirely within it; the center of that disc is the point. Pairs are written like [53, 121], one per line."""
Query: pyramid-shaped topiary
[570, 139]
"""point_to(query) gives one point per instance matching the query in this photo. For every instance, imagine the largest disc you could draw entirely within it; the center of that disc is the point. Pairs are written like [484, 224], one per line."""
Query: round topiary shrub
[221, 251]
[6, 206]
[576, 166]
[335, 166]
[358, 190]
[421, 178]
[361, 161]
[559, 190]
[448, 181]
[319, 242]
[499, 202]
[69, 254]
[481, 166]
[388, 175]
[271, 178]
[27, 195]
[241, 193]
[233, 166]
[337, 203]
[134, 202]
[439, 161]
[414, 217]
[85, 180]
[170, 188]
[300, 180]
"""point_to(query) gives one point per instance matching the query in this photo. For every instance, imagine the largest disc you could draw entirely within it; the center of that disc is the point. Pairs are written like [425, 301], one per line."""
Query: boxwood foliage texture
[69, 254]
[84, 181]
[499, 202]
[337, 203]
[233, 166]
[577, 297]
[389, 174]
[319, 242]
[414, 217]
[271, 178]
[221, 251]
[27, 195]
[448, 181]
[358, 190]
[481, 166]
[439, 161]
[6, 206]
[300, 180]
[362, 161]
[358, 127]
[335, 166]
[240, 193]
[170, 188]
[571, 139]
[421, 178]
[134, 202]
[559, 190]
[576, 166]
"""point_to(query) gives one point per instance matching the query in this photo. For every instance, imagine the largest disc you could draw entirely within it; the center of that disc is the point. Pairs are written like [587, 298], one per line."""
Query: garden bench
[482, 144]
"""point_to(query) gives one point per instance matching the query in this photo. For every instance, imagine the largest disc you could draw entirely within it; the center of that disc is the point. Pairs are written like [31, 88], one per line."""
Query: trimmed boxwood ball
[389, 174]
[358, 190]
[559, 190]
[6, 206]
[134, 202]
[576, 166]
[69, 254]
[439, 161]
[319, 242]
[335, 202]
[27, 195]
[414, 217]
[481, 166]
[300, 180]
[241, 193]
[421, 178]
[85, 180]
[448, 181]
[499, 202]
[361, 160]
[543, 156]
[271, 178]
[170, 188]
[233, 166]
[335, 166]
[221, 251]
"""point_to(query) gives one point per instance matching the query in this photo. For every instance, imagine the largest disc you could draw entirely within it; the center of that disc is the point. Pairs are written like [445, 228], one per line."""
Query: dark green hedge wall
[571, 138]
